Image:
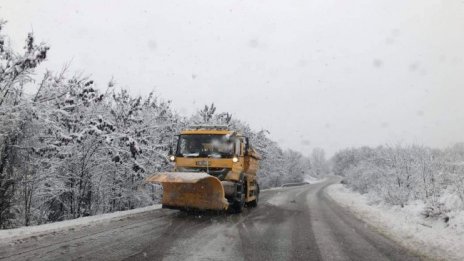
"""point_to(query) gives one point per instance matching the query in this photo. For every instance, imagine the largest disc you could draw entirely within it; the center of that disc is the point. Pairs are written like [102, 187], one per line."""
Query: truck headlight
[172, 158]
[234, 159]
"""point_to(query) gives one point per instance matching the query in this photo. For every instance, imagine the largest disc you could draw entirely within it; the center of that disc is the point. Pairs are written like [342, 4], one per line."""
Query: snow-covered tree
[16, 118]
[319, 164]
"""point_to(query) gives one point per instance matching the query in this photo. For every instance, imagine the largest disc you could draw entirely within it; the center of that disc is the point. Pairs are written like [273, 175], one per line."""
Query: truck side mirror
[247, 146]
[171, 150]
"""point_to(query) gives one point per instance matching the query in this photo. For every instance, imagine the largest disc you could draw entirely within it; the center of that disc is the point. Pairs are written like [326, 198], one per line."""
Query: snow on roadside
[11, 234]
[406, 225]
[313, 180]
[309, 179]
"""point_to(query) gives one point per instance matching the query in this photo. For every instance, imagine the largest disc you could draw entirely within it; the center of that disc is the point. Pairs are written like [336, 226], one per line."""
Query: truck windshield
[205, 145]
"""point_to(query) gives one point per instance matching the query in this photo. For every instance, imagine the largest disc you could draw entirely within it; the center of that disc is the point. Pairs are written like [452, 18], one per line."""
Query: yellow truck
[215, 169]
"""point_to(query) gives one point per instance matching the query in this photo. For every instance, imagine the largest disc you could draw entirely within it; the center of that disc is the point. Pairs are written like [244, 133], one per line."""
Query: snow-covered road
[295, 223]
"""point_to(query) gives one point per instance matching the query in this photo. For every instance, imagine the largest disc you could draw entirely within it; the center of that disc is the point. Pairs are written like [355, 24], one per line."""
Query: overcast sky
[317, 73]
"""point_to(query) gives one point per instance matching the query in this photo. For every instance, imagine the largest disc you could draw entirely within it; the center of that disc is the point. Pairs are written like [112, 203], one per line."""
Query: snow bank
[10, 234]
[310, 180]
[313, 180]
[434, 238]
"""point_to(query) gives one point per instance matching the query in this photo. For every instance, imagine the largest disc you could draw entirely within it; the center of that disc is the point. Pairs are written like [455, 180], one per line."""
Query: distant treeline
[402, 174]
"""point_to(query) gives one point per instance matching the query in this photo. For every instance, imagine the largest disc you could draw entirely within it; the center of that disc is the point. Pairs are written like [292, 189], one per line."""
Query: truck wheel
[239, 200]
[254, 203]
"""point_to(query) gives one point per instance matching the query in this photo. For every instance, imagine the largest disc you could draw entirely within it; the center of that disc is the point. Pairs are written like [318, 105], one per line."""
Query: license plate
[202, 163]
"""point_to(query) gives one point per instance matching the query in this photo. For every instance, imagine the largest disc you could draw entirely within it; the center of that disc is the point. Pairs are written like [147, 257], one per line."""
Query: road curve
[295, 223]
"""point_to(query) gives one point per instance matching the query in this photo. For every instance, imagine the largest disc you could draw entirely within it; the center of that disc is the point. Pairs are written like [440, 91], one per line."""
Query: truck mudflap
[190, 190]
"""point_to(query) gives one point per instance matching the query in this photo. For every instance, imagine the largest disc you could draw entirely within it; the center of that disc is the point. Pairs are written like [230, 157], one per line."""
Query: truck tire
[239, 200]
[254, 203]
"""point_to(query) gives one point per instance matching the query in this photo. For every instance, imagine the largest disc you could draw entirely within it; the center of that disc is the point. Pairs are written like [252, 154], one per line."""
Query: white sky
[320, 73]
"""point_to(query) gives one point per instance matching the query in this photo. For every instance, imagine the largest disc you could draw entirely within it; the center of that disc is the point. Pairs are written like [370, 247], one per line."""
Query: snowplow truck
[214, 169]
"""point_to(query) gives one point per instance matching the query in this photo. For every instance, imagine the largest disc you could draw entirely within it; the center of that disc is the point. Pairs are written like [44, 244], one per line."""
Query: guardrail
[295, 184]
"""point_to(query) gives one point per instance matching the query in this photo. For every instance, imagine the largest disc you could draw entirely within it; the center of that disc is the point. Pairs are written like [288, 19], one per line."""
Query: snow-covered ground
[434, 238]
[11, 234]
[309, 179]
[313, 180]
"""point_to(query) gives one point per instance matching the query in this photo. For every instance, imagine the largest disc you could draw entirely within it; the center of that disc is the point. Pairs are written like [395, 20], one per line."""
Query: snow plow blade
[190, 190]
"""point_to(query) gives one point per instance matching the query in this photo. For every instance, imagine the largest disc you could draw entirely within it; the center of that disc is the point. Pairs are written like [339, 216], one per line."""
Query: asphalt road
[293, 223]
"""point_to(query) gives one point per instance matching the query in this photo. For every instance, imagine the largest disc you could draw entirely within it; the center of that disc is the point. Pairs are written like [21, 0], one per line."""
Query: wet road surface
[293, 223]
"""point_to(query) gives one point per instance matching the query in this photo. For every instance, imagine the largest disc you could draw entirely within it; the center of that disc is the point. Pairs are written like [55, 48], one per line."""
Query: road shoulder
[25, 232]
[403, 225]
